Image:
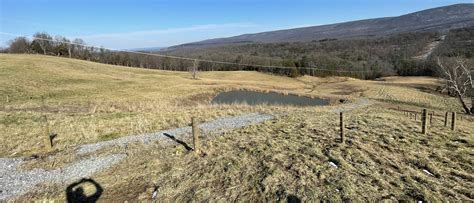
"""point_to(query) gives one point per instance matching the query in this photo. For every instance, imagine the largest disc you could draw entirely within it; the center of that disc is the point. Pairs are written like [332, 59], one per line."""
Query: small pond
[256, 98]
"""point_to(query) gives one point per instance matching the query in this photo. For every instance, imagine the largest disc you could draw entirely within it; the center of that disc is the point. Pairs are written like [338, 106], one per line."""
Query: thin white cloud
[169, 31]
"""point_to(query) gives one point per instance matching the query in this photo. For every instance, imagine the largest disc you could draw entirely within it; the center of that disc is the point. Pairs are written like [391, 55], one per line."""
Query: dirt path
[429, 49]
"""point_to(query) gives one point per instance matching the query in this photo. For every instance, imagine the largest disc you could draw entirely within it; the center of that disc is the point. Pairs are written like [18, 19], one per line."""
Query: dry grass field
[385, 157]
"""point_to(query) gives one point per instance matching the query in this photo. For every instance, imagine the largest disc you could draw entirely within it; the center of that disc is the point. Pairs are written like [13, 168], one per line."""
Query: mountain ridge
[440, 19]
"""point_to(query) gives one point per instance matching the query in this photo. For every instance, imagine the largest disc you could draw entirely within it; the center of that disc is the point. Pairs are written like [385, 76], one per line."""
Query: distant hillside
[377, 56]
[440, 19]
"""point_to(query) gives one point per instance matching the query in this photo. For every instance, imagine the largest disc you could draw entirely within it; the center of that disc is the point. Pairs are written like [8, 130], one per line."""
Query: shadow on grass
[179, 141]
[75, 192]
[293, 199]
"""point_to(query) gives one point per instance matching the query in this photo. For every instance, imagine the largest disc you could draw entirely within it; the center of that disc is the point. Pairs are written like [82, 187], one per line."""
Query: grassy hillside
[86, 102]
[385, 157]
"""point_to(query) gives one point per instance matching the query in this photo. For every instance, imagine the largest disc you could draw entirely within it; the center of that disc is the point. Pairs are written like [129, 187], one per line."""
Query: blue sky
[124, 24]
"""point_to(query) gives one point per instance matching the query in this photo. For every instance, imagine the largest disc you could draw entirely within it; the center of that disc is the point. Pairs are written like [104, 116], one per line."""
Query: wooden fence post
[51, 139]
[341, 126]
[8, 99]
[431, 119]
[453, 121]
[446, 119]
[46, 131]
[423, 122]
[415, 116]
[195, 130]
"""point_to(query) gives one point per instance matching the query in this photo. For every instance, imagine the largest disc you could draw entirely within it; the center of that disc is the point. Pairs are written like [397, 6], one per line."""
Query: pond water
[256, 98]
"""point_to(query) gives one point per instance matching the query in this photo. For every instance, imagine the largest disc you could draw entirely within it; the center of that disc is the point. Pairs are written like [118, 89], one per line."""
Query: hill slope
[113, 98]
[296, 155]
[123, 101]
[437, 19]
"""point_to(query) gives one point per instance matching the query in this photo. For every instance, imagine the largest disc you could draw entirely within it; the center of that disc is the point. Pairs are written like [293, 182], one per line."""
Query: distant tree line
[43, 43]
[367, 57]
[360, 58]
[458, 43]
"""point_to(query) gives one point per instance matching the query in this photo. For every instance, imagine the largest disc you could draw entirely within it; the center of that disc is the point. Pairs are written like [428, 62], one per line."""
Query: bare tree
[195, 68]
[61, 46]
[19, 45]
[78, 48]
[42, 40]
[458, 78]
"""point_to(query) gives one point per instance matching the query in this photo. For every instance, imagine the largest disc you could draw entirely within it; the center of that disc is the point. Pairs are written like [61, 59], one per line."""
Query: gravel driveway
[15, 182]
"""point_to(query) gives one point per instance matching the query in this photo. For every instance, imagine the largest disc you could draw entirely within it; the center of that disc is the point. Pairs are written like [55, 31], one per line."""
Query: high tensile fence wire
[245, 66]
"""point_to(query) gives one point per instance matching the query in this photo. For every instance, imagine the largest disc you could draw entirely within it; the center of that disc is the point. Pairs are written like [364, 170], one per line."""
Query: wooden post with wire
[453, 121]
[424, 122]
[195, 130]
[341, 126]
[446, 119]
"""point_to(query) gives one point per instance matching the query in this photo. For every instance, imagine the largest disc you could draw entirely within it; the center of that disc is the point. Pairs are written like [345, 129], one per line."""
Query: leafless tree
[458, 78]
[61, 46]
[78, 47]
[195, 68]
[19, 45]
[44, 41]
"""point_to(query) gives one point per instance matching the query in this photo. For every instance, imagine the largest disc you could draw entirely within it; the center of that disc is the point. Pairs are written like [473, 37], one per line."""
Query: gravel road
[221, 124]
[15, 182]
